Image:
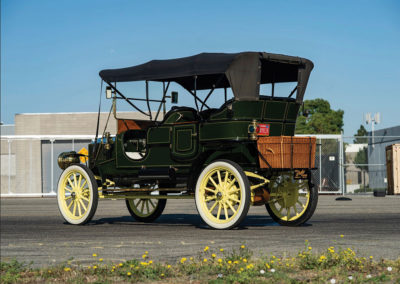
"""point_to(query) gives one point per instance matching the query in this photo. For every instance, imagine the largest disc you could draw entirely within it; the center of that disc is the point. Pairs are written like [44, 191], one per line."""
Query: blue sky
[52, 51]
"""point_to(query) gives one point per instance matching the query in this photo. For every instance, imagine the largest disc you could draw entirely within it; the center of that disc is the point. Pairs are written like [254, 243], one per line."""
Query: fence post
[30, 166]
[320, 164]
[9, 166]
[52, 164]
[341, 164]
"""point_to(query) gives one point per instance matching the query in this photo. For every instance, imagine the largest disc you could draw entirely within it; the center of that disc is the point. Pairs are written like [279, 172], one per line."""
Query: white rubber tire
[245, 195]
[93, 198]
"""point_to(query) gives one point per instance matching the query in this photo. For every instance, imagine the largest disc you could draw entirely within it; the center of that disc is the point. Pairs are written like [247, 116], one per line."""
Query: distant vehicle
[227, 158]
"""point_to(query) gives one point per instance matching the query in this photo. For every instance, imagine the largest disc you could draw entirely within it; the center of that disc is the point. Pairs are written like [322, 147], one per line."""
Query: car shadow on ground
[187, 220]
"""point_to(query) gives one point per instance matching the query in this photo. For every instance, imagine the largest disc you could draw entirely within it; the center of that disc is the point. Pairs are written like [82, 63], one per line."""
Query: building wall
[8, 166]
[7, 129]
[377, 155]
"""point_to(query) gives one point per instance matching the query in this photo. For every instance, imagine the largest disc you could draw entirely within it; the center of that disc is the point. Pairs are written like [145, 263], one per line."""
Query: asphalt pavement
[32, 229]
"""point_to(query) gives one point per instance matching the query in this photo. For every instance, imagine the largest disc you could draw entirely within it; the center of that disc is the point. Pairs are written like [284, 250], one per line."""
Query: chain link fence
[29, 163]
[345, 165]
[365, 163]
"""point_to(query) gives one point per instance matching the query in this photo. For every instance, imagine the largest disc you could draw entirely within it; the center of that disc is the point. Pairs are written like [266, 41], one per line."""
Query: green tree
[321, 118]
[361, 132]
[362, 155]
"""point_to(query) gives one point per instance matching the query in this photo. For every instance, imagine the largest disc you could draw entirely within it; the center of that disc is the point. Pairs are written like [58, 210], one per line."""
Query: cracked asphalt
[32, 229]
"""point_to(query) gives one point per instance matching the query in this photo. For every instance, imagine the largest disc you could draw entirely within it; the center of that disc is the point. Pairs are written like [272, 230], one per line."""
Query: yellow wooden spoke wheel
[222, 194]
[77, 194]
[146, 210]
[292, 201]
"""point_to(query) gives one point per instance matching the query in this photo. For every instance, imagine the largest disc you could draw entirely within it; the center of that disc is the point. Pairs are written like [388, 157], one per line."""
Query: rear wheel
[292, 201]
[77, 194]
[146, 210]
[223, 194]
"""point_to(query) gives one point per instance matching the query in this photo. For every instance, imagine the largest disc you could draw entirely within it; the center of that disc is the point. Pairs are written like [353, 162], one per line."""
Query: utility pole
[373, 120]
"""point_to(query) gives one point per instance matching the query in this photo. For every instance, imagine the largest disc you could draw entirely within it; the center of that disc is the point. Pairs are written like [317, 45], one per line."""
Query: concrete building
[7, 129]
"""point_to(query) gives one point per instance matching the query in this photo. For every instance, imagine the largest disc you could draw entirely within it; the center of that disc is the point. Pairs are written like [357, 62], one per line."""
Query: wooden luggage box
[393, 168]
[287, 152]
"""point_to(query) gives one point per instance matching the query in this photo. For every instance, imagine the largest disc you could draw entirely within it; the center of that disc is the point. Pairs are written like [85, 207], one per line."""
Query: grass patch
[215, 265]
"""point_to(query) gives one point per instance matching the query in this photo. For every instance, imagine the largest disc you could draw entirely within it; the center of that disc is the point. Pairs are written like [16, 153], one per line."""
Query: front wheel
[223, 194]
[146, 210]
[292, 201]
[77, 194]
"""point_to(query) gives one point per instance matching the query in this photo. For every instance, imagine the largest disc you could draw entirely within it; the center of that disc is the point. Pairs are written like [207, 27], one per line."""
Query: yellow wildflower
[213, 255]
[229, 261]
[150, 261]
[100, 259]
[371, 257]
[242, 246]
[205, 260]
[168, 266]
[206, 248]
[94, 267]
[221, 250]
[129, 273]
[310, 248]
[94, 255]
[89, 267]
[120, 265]
[191, 258]
[113, 267]
[66, 269]
[341, 236]
[144, 256]
[219, 260]
[267, 266]
[183, 259]
[146, 252]
[162, 274]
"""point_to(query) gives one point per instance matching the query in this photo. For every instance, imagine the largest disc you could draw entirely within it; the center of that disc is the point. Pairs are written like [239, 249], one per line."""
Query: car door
[184, 140]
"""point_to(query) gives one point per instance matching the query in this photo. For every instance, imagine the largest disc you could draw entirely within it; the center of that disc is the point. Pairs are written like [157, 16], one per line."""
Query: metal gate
[328, 177]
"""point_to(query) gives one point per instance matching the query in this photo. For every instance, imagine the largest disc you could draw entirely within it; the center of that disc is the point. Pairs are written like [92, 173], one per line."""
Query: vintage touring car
[227, 158]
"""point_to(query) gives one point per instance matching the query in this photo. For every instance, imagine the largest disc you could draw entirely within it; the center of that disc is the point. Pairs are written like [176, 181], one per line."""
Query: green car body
[189, 144]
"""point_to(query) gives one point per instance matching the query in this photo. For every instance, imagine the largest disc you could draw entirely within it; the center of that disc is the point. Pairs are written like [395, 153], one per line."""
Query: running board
[144, 196]
[172, 189]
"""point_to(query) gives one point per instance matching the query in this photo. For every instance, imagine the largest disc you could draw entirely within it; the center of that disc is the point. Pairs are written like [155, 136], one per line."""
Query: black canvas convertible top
[243, 72]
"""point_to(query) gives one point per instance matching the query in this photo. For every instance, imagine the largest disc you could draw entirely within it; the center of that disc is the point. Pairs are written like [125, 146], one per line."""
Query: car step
[174, 189]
